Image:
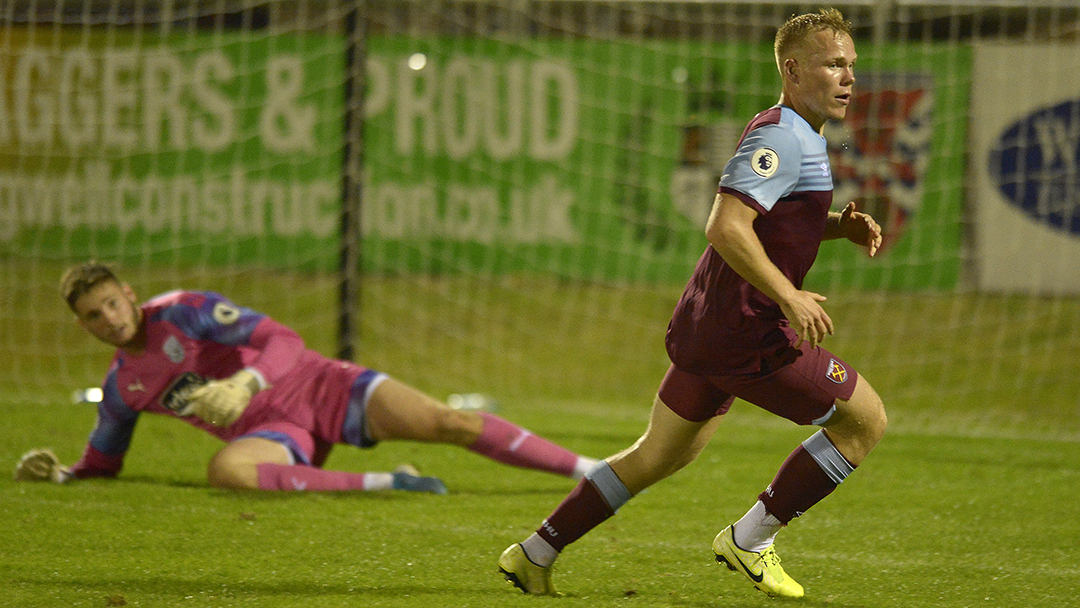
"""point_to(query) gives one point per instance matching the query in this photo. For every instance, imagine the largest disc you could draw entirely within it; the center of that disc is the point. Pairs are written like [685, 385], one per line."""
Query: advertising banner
[1026, 168]
[588, 159]
[218, 149]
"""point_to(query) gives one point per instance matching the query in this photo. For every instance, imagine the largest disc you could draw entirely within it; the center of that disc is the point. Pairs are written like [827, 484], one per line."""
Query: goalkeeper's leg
[257, 463]
[398, 411]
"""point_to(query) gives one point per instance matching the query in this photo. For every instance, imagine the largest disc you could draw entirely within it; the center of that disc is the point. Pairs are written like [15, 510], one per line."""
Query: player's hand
[221, 402]
[806, 316]
[860, 228]
[41, 465]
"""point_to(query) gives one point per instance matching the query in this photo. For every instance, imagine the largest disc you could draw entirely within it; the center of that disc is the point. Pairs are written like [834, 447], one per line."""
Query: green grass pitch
[969, 501]
[929, 520]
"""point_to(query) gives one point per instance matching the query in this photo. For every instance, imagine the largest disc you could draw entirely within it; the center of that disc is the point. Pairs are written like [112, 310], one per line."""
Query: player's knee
[648, 464]
[876, 421]
[457, 426]
[227, 472]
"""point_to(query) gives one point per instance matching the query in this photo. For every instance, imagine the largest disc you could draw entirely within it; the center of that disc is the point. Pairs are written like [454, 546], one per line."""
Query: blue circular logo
[1036, 166]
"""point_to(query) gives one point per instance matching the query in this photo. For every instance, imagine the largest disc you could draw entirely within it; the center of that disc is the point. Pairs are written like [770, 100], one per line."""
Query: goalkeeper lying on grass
[249, 380]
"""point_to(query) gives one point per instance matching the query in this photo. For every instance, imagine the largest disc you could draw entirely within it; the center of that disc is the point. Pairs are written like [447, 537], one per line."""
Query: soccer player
[251, 382]
[744, 327]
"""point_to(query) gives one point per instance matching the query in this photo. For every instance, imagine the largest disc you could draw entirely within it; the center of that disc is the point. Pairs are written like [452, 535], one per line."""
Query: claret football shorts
[801, 385]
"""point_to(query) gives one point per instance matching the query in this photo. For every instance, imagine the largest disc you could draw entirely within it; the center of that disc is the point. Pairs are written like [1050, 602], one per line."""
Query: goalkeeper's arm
[41, 465]
[222, 402]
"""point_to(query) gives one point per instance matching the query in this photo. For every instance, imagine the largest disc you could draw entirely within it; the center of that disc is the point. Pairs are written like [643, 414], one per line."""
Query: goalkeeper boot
[763, 569]
[519, 570]
[408, 478]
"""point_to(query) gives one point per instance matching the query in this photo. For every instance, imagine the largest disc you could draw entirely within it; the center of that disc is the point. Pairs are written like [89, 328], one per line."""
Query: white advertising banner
[1025, 167]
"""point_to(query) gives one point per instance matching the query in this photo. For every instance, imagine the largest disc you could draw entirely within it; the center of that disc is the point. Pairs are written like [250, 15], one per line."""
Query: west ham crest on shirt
[837, 372]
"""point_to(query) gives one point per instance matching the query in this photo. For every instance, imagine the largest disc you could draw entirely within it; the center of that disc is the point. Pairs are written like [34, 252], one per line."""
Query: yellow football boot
[763, 569]
[524, 574]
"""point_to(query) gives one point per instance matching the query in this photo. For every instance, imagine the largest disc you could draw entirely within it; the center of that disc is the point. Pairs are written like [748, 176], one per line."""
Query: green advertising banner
[599, 159]
[222, 149]
[588, 159]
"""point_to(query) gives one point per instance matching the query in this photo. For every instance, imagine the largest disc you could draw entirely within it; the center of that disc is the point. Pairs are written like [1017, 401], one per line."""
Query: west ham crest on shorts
[837, 372]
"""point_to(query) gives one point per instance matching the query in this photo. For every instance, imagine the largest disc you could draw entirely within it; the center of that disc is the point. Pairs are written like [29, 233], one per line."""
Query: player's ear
[128, 292]
[791, 69]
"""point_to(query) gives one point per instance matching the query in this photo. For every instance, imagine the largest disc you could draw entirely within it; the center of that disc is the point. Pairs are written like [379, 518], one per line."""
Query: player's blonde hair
[800, 27]
[81, 278]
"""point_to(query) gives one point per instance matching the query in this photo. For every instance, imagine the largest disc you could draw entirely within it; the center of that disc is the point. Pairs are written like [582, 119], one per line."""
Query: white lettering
[163, 91]
[416, 103]
[119, 96]
[542, 213]
[536, 215]
[472, 213]
[462, 132]
[218, 128]
[469, 106]
[1057, 141]
[78, 111]
[34, 111]
[284, 125]
[377, 86]
[91, 197]
[503, 113]
[553, 129]
[132, 100]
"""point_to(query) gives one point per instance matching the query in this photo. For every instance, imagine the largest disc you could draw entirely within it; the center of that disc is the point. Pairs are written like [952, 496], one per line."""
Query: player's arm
[855, 226]
[222, 402]
[279, 349]
[41, 464]
[109, 441]
[105, 448]
[730, 231]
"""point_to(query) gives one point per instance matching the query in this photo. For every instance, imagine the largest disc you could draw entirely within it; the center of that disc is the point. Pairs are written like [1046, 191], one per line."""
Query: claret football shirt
[722, 324]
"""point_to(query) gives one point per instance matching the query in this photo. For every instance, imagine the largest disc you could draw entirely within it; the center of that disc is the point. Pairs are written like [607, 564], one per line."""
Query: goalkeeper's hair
[799, 27]
[81, 278]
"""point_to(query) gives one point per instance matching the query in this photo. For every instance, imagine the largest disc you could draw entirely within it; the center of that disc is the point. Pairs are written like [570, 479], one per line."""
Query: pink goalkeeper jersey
[205, 334]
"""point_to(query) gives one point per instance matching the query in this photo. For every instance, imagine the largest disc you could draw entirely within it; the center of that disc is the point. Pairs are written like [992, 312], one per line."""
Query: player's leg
[398, 411]
[236, 466]
[821, 463]
[670, 441]
[815, 389]
[858, 424]
[277, 459]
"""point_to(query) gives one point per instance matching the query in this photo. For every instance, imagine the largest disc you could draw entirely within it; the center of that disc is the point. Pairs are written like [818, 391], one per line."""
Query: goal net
[508, 197]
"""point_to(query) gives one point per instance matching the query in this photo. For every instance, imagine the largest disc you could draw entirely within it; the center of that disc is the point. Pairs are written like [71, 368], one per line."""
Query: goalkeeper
[249, 380]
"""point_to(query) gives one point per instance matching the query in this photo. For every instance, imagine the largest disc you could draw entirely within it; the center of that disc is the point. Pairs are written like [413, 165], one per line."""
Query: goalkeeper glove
[41, 465]
[222, 402]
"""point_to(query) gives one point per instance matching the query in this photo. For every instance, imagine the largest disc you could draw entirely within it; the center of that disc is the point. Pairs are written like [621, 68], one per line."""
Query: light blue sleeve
[766, 166]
